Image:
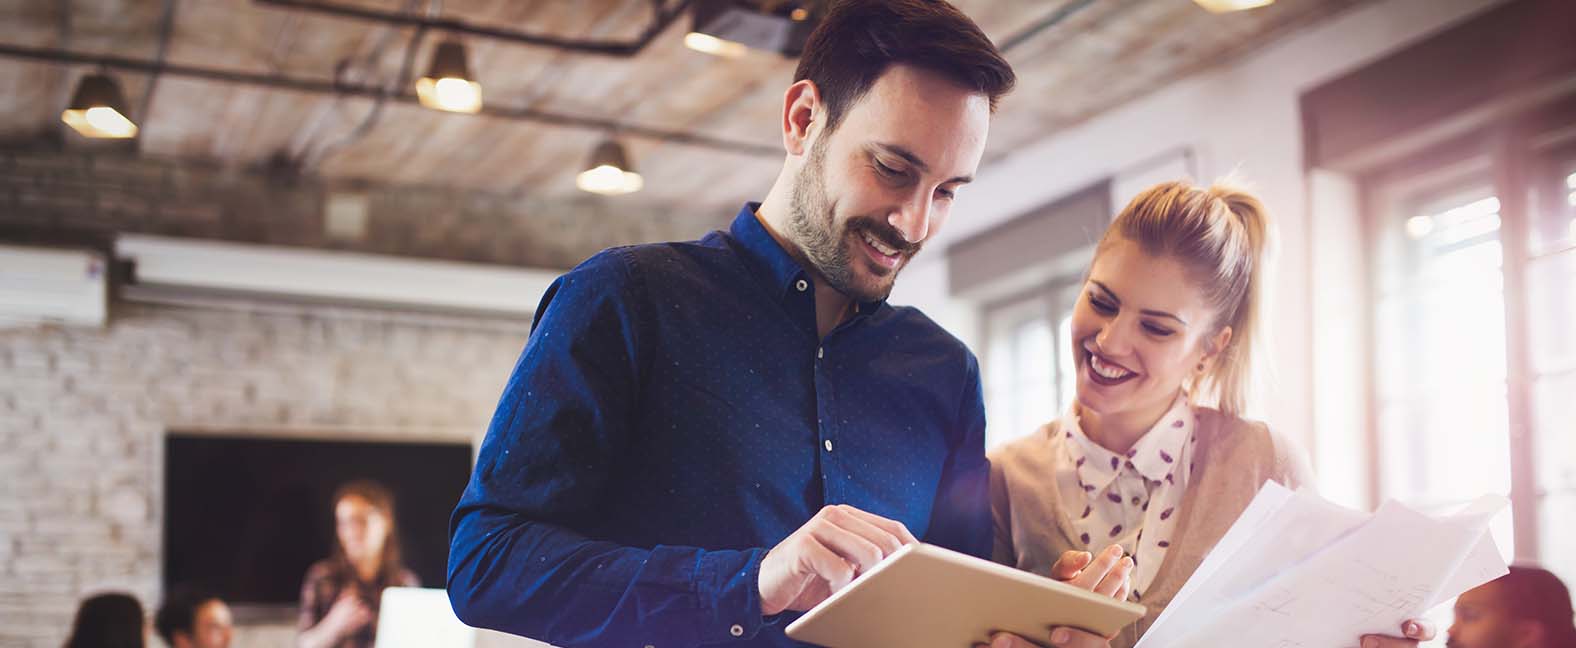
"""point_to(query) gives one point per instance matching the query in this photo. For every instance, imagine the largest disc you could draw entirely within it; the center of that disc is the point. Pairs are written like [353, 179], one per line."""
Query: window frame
[1514, 155]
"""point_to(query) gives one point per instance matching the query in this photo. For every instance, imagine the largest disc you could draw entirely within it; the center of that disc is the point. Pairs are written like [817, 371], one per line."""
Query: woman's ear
[1213, 348]
[801, 108]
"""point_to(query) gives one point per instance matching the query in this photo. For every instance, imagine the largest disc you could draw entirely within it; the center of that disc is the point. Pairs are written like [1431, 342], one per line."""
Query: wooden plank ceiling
[1103, 53]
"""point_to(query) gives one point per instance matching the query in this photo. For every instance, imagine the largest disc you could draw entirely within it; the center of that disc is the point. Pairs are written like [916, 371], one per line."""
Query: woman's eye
[1102, 306]
[1156, 330]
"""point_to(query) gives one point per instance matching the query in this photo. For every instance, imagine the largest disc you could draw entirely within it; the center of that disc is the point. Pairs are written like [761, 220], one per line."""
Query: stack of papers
[1296, 571]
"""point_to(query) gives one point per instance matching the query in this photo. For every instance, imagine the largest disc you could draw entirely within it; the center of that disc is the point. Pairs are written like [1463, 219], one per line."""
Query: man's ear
[1530, 634]
[802, 109]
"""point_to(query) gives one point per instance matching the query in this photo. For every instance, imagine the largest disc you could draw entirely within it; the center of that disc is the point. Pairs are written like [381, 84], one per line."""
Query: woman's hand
[348, 615]
[1107, 573]
[1413, 631]
[1059, 637]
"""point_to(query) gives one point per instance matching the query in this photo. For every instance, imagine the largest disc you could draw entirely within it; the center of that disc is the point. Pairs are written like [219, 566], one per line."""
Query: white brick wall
[83, 414]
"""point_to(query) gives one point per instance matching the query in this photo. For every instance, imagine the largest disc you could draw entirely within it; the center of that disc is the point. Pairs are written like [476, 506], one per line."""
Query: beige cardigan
[1232, 459]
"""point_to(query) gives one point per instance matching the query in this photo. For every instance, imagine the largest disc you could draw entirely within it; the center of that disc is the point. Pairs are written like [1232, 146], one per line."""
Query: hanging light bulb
[708, 44]
[448, 84]
[1227, 6]
[609, 172]
[98, 109]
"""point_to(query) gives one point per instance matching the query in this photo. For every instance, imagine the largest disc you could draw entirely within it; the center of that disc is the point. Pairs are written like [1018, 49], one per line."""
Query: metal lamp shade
[448, 84]
[98, 109]
[609, 172]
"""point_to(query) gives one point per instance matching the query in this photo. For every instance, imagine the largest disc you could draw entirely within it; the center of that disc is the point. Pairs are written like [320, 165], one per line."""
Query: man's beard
[813, 226]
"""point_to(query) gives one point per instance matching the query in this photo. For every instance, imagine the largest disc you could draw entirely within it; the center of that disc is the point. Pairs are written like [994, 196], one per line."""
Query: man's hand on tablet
[823, 556]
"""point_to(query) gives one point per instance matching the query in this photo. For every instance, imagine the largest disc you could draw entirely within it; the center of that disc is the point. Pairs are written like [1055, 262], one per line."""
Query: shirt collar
[782, 271]
[1155, 456]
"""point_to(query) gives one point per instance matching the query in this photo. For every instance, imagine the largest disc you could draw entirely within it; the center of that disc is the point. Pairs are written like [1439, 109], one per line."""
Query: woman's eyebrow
[1109, 293]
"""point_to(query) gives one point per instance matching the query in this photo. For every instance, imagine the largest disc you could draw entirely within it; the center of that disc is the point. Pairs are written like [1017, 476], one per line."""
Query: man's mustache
[886, 234]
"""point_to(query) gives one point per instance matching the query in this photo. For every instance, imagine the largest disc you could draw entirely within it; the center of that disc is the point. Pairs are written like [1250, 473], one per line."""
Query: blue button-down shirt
[674, 415]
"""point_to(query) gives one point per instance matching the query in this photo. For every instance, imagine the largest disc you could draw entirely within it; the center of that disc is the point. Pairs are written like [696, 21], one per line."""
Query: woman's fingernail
[1370, 642]
[1060, 636]
[1411, 629]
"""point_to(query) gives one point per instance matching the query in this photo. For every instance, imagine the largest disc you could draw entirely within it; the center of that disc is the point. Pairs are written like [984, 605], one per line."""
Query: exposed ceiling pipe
[166, 28]
[315, 86]
[1052, 19]
[661, 19]
[407, 61]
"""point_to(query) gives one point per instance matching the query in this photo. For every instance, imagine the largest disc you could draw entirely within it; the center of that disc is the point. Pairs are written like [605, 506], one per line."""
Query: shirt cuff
[728, 583]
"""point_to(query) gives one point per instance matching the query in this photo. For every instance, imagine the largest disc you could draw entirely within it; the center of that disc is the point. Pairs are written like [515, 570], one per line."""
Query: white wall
[1242, 117]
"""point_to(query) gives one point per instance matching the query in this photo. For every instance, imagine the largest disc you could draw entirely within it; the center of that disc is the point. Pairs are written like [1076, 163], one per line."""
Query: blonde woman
[1128, 491]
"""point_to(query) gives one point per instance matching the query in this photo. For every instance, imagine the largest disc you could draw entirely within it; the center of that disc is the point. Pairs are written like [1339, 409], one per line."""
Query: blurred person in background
[340, 595]
[1527, 608]
[192, 618]
[109, 620]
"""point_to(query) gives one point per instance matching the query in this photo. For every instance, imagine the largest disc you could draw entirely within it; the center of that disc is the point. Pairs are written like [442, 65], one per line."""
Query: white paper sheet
[1295, 571]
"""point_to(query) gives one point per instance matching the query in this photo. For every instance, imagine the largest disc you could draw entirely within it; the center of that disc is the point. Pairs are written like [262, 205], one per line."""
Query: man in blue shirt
[703, 438]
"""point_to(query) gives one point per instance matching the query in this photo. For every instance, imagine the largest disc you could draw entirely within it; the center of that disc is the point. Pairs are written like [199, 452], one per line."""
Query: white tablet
[925, 596]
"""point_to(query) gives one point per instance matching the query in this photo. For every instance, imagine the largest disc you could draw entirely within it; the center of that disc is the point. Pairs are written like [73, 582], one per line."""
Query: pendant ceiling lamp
[448, 84]
[98, 109]
[609, 172]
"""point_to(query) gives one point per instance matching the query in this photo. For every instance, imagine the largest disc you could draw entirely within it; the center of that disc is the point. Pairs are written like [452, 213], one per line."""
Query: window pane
[1551, 283]
[1020, 370]
[1557, 525]
[1000, 417]
[1445, 448]
[1554, 226]
[1037, 377]
[1555, 439]
[1440, 355]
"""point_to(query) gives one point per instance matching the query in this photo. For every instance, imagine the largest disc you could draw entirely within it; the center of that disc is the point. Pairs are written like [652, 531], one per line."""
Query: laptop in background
[415, 617]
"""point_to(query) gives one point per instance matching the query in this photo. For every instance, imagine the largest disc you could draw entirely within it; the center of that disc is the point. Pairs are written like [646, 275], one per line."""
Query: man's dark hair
[858, 40]
[1538, 595]
[179, 611]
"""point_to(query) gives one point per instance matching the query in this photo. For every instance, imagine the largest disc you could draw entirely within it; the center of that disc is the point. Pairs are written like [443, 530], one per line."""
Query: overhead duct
[341, 88]
[172, 268]
[662, 17]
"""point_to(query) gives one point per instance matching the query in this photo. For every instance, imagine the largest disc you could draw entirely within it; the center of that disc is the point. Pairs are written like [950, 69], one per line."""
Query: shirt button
[820, 352]
[801, 285]
[828, 445]
[737, 630]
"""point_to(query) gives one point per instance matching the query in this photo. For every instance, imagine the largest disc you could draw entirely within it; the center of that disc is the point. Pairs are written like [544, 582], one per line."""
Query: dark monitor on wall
[246, 515]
